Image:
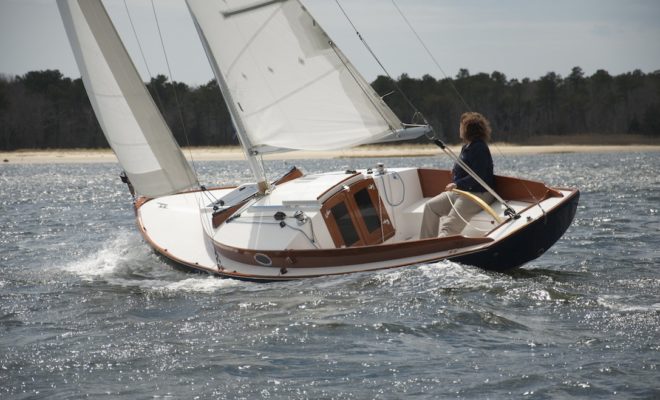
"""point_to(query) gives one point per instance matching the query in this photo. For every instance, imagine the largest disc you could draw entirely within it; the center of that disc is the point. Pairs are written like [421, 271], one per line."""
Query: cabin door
[356, 216]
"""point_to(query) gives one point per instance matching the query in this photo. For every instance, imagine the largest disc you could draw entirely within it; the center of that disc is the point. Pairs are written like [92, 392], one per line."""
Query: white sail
[130, 120]
[289, 86]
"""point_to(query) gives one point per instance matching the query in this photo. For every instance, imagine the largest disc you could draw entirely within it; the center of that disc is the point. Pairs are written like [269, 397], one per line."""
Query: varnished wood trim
[338, 184]
[347, 197]
[220, 217]
[386, 230]
[316, 258]
[434, 181]
[523, 190]
[331, 222]
[294, 173]
[139, 202]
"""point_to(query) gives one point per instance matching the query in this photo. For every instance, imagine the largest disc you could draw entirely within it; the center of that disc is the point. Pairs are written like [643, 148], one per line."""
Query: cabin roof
[308, 190]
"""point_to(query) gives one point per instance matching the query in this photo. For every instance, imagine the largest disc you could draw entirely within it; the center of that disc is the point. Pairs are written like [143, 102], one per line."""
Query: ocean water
[87, 310]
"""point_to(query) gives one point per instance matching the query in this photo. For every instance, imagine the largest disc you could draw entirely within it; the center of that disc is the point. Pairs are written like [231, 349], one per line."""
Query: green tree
[575, 102]
[548, 102]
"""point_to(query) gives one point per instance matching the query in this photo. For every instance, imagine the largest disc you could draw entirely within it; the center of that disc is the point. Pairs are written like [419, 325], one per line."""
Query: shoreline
[235, 153]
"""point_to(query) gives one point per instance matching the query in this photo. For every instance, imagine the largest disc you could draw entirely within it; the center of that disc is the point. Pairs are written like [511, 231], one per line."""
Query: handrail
[481, 204]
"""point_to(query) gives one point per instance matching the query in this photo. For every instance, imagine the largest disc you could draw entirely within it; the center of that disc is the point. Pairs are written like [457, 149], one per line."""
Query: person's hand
[450, 186]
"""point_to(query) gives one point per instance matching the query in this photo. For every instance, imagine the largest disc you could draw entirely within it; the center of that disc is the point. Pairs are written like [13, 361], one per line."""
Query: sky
[520, 38]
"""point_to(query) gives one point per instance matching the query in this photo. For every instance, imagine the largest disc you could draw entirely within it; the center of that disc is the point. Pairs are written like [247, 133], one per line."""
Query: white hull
[257, 246]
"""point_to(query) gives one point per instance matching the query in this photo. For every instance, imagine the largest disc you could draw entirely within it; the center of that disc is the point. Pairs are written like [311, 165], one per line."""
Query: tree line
[44, 109]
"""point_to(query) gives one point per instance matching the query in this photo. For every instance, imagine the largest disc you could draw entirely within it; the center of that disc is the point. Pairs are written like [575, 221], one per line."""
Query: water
[87, 310]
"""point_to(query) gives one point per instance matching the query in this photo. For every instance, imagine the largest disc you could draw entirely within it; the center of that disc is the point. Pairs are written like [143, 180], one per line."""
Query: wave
[127, 262]
[616, 303]
[434, 276]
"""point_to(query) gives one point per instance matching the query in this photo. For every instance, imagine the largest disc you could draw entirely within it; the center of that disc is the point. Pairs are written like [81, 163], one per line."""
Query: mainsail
[130, 120]
[288, 86]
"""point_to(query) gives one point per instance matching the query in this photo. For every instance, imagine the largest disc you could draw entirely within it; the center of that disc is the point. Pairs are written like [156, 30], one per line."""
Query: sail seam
[176, 96]
[250, 41]
[291, 93]
[357, 81]
[373, 54]
[249, 8]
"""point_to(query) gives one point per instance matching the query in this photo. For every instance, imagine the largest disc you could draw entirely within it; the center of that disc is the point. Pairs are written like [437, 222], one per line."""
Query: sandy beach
[374, 151]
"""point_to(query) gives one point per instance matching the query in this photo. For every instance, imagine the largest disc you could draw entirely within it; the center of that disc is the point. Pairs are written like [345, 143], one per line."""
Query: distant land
[45, 110]
[233, 153]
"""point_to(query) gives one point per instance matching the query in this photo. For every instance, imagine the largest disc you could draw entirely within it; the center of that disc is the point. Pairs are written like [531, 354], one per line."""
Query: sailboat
[289, 87]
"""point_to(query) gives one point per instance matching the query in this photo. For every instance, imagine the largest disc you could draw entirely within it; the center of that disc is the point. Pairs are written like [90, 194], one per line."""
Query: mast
[250, 154]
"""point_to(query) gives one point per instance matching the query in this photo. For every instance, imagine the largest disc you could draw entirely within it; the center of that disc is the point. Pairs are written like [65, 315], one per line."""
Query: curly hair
[476, 126]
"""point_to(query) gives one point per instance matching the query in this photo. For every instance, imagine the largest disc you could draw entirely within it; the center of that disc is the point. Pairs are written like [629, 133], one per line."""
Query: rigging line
[206, 223]
[176, 96]
[208, 195]
[144, 58]
[380, 214]
[522, 182]
[511, 212]
[451, 83]
[395, 176]
[199, 199]
[357, 81]
[137, 39]
[435, 61]
[366, 45]
[311, 240]
[260, 220]
[453, 206]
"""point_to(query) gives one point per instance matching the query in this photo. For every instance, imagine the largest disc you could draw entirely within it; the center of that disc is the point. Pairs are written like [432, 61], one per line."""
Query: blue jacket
[477, 156]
